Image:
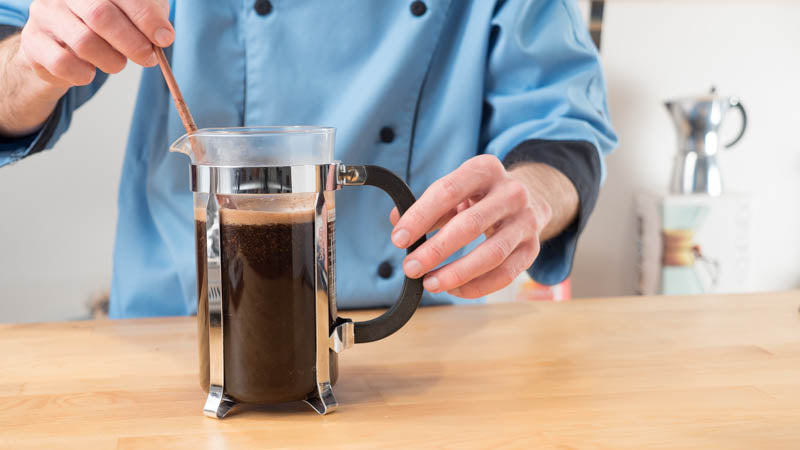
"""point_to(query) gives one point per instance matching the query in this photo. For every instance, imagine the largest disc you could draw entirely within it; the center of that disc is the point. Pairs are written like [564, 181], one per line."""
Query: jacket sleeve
[13, 15]
[545, 101]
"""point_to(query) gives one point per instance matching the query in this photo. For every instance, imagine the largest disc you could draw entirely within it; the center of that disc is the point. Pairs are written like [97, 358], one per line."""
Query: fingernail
[431, 284]
[400, 238]
[151, 60]
[163, 37]
[413, 269]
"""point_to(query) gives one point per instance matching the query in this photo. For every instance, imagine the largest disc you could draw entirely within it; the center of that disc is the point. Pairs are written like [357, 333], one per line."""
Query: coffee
[202, 295]
[269, 304]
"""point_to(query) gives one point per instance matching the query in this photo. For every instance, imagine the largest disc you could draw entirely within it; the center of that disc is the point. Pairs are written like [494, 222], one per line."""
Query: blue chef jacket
[416, 87]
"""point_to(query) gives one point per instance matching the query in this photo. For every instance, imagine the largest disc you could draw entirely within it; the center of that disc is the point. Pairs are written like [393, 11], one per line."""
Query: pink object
[533, 291]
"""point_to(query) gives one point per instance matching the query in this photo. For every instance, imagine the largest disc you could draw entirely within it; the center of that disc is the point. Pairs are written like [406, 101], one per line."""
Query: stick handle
[180, 103]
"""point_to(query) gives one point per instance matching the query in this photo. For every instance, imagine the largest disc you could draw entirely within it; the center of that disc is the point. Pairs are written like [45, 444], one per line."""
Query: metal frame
[217, 404]
[319, 179]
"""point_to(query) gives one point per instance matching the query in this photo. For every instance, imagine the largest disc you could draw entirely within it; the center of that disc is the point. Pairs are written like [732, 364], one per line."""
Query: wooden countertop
[702, 372]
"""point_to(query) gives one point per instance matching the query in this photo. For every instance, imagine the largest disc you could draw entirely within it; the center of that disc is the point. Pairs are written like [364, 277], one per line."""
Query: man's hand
[515, 209]
[64, 42]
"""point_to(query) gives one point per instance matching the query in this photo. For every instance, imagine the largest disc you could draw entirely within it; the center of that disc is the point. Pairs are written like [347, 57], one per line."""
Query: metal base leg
[322, 400]
[217, 404]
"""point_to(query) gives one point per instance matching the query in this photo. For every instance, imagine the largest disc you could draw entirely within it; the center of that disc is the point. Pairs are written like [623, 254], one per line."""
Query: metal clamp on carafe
[698, 121]
[244, 173]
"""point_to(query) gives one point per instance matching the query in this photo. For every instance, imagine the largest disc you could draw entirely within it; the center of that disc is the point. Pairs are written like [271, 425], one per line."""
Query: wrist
[28, 99]
[544, 211]
[552, 195]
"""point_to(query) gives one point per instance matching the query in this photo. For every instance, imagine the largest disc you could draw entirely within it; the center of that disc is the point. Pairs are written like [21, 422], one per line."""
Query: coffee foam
[263, 209]
[248, 217]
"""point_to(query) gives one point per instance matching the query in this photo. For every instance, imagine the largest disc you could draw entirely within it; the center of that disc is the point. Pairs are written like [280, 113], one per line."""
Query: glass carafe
[265, 214]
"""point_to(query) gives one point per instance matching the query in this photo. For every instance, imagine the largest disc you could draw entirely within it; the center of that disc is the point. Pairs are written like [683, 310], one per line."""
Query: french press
[265, 213]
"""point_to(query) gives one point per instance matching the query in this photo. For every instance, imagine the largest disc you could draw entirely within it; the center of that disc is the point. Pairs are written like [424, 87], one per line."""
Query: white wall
[655, 50]
[652, 50]
[59, 211]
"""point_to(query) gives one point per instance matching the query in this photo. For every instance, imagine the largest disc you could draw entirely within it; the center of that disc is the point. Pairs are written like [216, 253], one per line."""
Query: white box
[693, 244]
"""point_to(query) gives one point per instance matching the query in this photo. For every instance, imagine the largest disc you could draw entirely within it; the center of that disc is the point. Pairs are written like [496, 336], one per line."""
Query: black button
[385, 270]
[263, 7]
[418, 8]
[387, 134]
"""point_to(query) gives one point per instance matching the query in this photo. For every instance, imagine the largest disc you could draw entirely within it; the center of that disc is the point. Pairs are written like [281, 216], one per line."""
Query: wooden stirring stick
[180, 103]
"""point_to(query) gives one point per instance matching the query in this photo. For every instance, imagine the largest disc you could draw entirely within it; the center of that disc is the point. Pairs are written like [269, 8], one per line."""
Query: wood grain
[701, 372]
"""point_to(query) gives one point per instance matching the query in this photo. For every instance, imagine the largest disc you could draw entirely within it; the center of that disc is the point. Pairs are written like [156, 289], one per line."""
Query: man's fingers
[472, 178]
[54, 63]
[487, 256]
[151, 17]
[462, 229]
[500, 276]
[110, 23]
[84, 42]
[394, 216]
[444, 220]
[27, 51]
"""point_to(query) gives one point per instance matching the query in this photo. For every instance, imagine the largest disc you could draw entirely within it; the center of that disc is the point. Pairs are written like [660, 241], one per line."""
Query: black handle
[734, 102]
[397, 316]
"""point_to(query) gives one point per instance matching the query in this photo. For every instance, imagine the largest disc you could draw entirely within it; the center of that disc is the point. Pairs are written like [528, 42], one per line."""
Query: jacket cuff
[580, 162]
[14, 149]
[7, 30]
